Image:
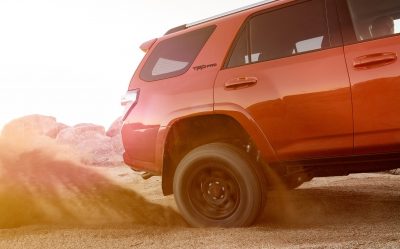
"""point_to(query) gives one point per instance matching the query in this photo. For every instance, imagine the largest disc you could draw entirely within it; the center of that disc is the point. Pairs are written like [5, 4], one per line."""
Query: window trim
[185, 69]
[332, 22]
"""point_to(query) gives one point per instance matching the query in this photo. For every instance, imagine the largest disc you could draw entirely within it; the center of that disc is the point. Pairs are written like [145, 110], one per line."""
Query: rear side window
[374, 19]
[174, 56]
[283, 32]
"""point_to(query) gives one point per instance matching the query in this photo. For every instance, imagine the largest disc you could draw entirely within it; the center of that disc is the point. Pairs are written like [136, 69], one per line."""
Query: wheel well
[190, 133]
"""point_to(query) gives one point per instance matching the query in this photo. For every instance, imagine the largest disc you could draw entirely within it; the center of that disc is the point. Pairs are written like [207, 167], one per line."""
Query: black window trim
[329, 19]
[212, 27]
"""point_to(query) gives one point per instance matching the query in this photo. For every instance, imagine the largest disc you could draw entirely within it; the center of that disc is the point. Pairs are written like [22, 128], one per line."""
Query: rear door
[287, 70]
[371, 31]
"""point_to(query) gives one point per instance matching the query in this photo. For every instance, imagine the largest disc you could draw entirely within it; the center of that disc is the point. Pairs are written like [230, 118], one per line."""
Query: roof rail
[185, 26]
[176, 29]
[230, 12]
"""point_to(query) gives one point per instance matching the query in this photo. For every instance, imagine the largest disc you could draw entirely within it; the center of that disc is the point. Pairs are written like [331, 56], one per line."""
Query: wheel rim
[213, 190]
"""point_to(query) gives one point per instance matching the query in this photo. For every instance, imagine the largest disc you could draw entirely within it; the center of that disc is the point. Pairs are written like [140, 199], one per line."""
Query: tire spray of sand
[42, 182]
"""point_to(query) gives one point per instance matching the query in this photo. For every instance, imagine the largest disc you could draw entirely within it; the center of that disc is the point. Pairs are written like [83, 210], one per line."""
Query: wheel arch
[187, 133]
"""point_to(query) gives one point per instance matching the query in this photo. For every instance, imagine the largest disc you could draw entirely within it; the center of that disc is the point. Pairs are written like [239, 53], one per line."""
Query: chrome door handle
[374, 60]
[240, 82]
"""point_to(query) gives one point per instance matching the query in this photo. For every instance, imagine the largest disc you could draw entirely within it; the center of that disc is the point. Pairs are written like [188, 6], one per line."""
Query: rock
[92, 144]
[115, 133]
[117, 144]
[74, 135]
[89, 141]
[115, 128]
[34, 124]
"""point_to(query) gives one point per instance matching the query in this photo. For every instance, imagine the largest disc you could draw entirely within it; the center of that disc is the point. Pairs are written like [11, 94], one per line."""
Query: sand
[48, 199]
[357, 211]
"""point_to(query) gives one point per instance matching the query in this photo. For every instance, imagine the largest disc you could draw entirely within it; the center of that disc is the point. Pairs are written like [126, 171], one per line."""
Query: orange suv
[269, 95]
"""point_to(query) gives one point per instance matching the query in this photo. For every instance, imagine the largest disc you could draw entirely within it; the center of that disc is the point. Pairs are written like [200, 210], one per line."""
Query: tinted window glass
[375, 18]
[284, 32]
[240, 53]
[174, 56]
[288, 31]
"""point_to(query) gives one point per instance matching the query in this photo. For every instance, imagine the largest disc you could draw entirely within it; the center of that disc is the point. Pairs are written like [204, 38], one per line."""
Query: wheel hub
[216, 190]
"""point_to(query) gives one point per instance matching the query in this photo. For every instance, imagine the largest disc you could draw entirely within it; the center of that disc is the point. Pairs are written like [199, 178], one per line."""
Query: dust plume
[316, 204]
[285, 206]
[42, 182]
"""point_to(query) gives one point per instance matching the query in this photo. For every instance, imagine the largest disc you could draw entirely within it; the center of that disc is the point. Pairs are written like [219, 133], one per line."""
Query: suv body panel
[375, 86]
[290, 122]
[376, 97]
[304, 113]
[144, 130]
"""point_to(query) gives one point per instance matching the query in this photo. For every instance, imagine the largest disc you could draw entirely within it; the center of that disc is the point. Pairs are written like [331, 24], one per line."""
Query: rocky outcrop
[115, 128]
[35, 124]
[92, 144]
[115, 133]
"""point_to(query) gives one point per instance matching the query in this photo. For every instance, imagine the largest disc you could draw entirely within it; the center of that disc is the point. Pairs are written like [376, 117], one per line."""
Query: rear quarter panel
[163, 102]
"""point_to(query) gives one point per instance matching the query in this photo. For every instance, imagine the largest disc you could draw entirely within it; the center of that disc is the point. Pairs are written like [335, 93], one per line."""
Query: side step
[341, 165]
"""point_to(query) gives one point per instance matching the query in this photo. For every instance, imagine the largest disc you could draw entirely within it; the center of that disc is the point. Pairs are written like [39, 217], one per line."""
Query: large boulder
[115, 128]
[75, 134]
[117, 144]
[34, 124]
[92, 144]
[116, 138]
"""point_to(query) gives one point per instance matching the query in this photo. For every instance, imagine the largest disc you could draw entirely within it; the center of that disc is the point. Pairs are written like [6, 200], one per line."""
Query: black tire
[217, 185]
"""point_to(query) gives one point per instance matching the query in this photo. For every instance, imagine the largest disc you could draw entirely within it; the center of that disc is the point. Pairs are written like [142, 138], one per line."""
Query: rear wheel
[217, 185]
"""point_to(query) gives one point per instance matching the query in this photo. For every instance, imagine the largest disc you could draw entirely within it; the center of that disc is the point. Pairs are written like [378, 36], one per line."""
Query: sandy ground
[103, 208]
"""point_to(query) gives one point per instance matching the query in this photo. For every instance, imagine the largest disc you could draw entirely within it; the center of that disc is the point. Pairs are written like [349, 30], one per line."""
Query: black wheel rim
[213, 190]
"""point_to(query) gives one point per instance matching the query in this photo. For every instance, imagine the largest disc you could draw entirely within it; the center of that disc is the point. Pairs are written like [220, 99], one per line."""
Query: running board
[341, 165]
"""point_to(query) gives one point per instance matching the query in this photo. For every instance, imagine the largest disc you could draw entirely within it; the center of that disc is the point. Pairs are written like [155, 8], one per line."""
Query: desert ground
[51, 198]
[113, 207]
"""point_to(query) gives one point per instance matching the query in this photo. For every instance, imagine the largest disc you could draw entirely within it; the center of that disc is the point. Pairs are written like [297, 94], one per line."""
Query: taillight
[128, 101]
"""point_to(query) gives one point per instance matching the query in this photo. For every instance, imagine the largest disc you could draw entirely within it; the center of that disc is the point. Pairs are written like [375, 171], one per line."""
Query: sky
[73, 59]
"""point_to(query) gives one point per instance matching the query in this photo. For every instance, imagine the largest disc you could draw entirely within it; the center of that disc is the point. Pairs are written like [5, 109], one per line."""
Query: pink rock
[74, 135]
[117, 144]
[92, 144]
[89, 141]
[90, 128]
[115, 128]
[34, 124]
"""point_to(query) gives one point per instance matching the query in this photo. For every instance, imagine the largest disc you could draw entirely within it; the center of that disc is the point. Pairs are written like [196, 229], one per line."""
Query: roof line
[229, 13]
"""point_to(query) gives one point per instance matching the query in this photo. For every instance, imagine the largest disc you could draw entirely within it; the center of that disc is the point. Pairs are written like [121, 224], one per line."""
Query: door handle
[240, 82]
[374, 60]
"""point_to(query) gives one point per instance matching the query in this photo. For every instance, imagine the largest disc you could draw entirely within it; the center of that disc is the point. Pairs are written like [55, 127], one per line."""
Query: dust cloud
[331, 201]
[287, 207]
[42, 182]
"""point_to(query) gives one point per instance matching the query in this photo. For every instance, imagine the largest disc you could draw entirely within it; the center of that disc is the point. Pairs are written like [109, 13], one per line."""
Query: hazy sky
[73, 59]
